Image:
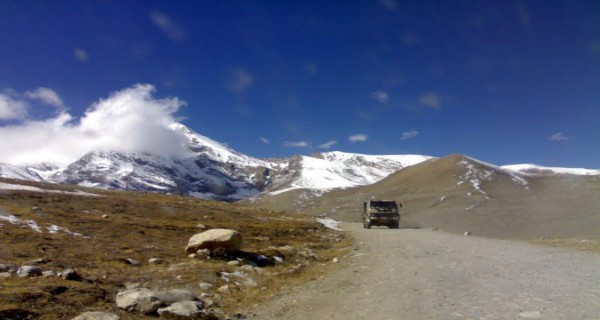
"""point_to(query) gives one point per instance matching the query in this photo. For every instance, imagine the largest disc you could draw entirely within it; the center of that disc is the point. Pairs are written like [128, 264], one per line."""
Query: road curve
[425, 274]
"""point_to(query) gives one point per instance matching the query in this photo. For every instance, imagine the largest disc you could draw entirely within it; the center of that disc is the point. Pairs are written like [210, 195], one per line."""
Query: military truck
[381, 213]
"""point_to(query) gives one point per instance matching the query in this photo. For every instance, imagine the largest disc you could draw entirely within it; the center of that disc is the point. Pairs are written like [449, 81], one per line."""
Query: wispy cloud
[431, 100]
[381, 96]
[295, 144]
[239, 80]
[47, 96]
[409, 134]
[359, 137]
[12, 108]
[264, 140]
[559, 136]
[327, 145]
[80, 54]
[129, 120]
[167, 25]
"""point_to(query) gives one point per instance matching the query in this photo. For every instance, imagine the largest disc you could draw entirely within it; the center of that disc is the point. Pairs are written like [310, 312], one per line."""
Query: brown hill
[459, 194]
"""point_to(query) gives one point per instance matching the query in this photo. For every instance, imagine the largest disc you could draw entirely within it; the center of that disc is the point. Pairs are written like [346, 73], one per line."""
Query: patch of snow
[329, 223]
[20, 187]
[16, 221]
[442, 198]
[532, 169]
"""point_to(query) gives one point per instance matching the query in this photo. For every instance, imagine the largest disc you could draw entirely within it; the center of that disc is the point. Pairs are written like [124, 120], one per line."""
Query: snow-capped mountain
[214, 171]
[532, 169]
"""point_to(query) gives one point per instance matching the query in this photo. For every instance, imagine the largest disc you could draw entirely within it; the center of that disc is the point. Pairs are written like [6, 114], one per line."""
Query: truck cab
[381, 213]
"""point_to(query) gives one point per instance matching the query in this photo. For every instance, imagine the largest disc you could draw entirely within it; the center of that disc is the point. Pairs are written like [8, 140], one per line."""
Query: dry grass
[141, 226]
[572, 243]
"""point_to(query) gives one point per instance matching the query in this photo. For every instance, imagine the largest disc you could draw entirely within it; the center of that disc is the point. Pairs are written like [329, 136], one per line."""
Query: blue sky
[502, 81]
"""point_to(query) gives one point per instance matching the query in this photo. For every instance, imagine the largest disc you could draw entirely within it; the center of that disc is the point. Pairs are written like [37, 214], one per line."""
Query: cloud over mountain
[129, 120]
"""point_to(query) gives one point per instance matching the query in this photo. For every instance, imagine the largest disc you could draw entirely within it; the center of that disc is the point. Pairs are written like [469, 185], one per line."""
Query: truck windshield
[383, 205]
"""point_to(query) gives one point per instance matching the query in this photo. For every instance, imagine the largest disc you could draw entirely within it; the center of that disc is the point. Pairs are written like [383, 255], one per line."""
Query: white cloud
[80, 54]
[240, 80]
[264, 140]
[409, 134]
[12, 108]
[381, 96]
[430, 100]
[327, 145]
[129, 120]
[559, 136]
[168, 26]
[47, 96]
[359, 137]
[295, 144]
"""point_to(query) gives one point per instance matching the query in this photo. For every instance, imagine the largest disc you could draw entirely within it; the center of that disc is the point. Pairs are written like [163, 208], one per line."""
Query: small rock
[205, 286]
[203, 253]
[223, 289]
[176, 295]
[39, 261]
[49, 273]
[192, 256]
[467, 233]
[140, 299]
[233, 263]
[155, 260]
[3, 268]
[5, 274]
[70, 274]
[132, 262]
[248, 268]
[29, 271]
[104, 216]
[36, 209]
[132, 285]
[278, 259]
[96, 316]
[183, 309]
[201, 226]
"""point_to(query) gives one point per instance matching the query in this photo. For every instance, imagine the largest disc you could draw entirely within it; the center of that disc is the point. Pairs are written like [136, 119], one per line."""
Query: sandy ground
[425, 274]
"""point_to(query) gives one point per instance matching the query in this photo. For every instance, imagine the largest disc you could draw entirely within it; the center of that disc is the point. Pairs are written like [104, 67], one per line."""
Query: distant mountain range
[214, 171]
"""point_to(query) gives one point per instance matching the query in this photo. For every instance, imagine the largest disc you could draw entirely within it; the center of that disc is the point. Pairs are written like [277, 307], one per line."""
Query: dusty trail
[424, 274]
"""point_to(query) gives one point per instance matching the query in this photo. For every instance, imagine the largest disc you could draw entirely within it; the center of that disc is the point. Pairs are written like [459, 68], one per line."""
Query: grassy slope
[141, 226]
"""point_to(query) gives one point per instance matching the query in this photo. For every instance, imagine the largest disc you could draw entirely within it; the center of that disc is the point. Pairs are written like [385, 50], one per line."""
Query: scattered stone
[5, 274]
[233, 263]
[132, 262]
[467, 233]
[335, 260]
[49, 273]
[104, 216]
[155, 260]
[176, 295]
[183, 309]
[278, 259]
[230, 240]
[39, 261]
[192, 256]
[247, 268]
[36, 209]
[3, 268]
[223, 289]
[201, 226]
[96, 316]
[203, 253]
[140, 299]
[29, 271]
[132, 285]
[205, 286]
[71, 274]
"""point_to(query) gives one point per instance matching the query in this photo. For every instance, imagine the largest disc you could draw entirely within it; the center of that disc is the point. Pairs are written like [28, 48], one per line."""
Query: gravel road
[425, 274]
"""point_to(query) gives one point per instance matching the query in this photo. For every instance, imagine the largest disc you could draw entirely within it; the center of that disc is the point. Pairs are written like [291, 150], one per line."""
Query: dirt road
[424, 274]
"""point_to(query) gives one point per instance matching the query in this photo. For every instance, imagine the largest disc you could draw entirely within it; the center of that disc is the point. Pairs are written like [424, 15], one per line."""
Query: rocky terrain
[72, 252]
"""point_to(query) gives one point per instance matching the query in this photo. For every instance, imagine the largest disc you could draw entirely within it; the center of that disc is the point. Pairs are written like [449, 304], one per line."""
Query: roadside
[424, 274]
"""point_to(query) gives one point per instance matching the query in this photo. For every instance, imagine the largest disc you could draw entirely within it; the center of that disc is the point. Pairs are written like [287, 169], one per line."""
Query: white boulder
[230, 240]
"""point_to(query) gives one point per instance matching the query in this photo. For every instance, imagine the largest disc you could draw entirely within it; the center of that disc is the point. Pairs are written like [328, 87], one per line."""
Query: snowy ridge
[532, 169]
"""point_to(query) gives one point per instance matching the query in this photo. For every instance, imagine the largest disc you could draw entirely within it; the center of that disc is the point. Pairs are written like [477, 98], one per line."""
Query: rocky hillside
[459, 194]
